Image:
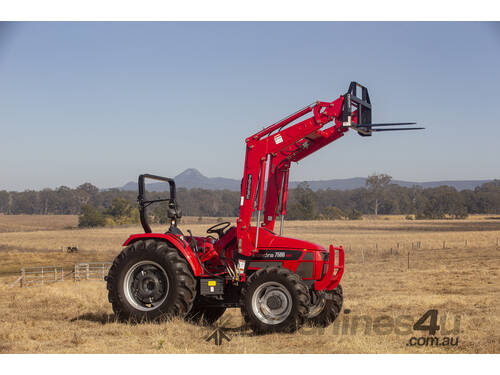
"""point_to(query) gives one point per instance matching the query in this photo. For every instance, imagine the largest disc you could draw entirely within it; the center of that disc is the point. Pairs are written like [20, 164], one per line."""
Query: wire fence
[90, 271]
[38, 276]
[384, 251]
[396, 247]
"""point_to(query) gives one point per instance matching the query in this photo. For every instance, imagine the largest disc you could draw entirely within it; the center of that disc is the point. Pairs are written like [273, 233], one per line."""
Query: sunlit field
[396, 270]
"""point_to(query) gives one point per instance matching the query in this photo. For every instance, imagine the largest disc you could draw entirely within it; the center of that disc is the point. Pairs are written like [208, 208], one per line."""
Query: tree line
[379, 196]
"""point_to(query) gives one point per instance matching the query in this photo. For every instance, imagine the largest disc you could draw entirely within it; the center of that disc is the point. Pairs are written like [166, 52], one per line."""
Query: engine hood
[270, 240]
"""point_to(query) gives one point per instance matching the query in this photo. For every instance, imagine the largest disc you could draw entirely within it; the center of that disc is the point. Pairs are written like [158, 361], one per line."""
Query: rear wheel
[274, 299]
[149, 279]
[326, 310]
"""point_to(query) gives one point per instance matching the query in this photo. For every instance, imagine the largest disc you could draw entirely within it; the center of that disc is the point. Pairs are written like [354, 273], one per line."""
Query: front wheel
[325, 310]
[274, 300]
[148, 280]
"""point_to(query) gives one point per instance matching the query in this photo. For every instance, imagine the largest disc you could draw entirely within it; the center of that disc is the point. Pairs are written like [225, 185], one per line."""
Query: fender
[176, 242]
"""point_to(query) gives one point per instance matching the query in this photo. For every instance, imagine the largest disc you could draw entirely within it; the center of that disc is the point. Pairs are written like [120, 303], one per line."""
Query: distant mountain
[192, 178]
[334, 184]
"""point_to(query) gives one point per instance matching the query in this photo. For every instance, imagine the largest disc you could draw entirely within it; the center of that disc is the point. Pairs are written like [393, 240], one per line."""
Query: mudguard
[179, 243]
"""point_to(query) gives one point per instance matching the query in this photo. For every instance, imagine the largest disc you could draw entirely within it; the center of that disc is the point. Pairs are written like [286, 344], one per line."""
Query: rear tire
[274, 299]
[329, 309]
[149, 280]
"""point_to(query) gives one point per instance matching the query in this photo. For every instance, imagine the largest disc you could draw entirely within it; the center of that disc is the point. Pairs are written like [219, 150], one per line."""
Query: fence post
[42, 275]
[62, 274]
[88, 271]
[408, 260]
[75, 271]
[103, 271]
[23, 275]
[55, 273]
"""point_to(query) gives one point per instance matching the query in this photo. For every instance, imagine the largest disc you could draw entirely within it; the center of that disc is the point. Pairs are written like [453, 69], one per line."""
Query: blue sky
[103, 102]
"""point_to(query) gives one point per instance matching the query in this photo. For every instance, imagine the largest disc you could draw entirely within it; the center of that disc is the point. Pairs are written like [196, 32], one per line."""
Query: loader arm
[269, 154]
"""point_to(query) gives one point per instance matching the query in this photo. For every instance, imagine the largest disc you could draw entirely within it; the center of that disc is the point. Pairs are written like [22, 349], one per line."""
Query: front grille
[324, 269]
[305, 270]
[325, 256]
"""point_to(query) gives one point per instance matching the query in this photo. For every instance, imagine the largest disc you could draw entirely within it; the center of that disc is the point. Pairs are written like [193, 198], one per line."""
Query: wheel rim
[272, 303]
[146, 285]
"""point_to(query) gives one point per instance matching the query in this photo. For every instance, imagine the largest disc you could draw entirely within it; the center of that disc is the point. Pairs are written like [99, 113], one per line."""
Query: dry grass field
[461, 281]
[25, 223]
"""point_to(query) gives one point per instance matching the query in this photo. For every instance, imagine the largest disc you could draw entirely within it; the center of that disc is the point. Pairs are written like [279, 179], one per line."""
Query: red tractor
[279, 283]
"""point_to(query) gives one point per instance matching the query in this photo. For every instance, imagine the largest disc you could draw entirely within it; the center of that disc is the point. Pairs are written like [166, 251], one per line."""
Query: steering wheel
[220, 231]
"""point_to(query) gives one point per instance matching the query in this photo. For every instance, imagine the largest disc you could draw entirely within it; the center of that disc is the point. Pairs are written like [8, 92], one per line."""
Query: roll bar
[173, 212]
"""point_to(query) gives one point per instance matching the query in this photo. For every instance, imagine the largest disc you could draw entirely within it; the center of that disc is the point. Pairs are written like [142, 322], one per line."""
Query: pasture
[396, 270]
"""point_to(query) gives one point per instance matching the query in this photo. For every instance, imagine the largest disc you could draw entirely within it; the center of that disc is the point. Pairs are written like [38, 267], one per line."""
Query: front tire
[325, 311]
[149, 280]
[274, 299]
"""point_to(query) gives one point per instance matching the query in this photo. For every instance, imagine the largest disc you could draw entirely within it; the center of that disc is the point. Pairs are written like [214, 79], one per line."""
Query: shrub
[333, 213]
[354, 215]
[91, 217]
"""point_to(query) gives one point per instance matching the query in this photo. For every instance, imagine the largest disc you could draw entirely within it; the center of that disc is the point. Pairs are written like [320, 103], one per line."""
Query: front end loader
[279, 283]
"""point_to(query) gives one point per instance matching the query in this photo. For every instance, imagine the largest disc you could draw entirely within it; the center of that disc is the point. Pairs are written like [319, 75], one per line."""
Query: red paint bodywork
[213, 249]
[269, 153]
[177, 242]
[278, 146]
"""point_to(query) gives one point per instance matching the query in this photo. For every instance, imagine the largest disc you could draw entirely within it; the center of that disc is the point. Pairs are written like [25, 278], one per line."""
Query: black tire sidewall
[154, 251]
[331, 310]
[291, 323]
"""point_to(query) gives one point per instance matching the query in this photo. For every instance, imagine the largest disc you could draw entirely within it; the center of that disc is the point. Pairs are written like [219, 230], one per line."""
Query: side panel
[175, 241]
[304, 263]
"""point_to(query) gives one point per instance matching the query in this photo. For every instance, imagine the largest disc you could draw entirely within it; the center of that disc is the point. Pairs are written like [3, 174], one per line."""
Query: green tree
[333, 213]
[377, 184]
[354, 214]
[120, 207]
[303, 206]
[4, 201]
[88, 188]
[122, 212]
[91, 217]
[441, 202]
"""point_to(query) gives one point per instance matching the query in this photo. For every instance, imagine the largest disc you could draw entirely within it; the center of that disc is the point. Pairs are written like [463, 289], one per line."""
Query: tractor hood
[270, 240]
